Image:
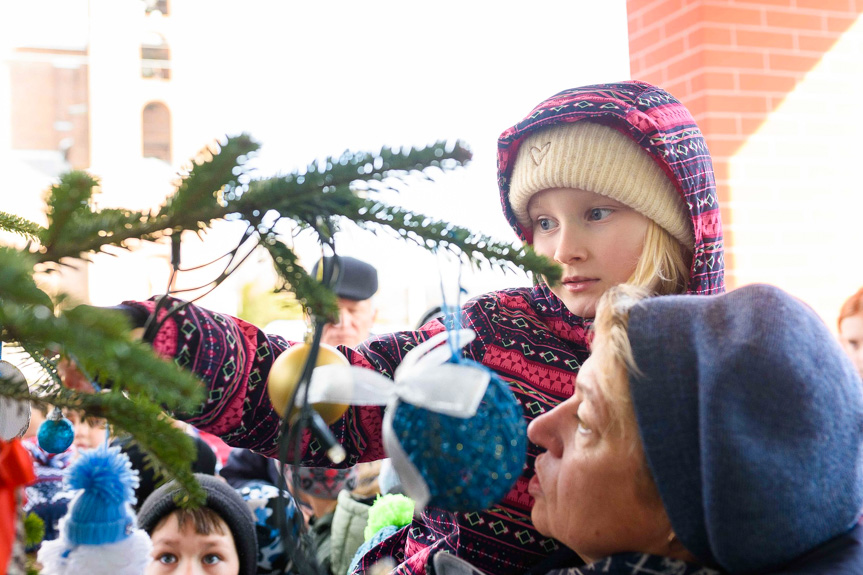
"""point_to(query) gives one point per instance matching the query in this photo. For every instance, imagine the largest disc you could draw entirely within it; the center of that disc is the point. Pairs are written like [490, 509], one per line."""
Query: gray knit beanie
[221, 498]
[751, 418]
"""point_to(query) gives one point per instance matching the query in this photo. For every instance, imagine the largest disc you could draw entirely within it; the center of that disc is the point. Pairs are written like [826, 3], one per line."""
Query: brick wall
[763, 77]
[49, 100]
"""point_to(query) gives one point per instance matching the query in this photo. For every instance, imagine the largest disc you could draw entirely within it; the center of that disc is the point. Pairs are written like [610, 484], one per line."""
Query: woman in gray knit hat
[717, 434]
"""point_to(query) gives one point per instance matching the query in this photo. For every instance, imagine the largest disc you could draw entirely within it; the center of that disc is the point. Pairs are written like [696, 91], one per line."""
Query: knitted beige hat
[599, 159]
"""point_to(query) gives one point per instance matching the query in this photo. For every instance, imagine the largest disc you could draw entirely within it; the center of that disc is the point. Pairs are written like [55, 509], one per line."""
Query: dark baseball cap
[354, 279]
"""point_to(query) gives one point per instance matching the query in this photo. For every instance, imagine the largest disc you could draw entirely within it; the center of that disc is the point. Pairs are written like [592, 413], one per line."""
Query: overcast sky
[311, 79]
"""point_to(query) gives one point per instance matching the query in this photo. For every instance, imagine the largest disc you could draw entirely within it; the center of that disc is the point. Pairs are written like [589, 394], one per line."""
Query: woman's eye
[582, 428]
[211, 559]
[544, 224]
[598, 214]
[167, 558]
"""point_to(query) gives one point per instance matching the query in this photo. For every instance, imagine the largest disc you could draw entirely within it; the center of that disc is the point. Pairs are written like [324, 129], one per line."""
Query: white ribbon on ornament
[425, 378]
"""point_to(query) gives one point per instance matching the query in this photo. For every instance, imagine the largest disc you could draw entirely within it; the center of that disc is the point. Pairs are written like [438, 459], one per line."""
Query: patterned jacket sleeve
[233, 358]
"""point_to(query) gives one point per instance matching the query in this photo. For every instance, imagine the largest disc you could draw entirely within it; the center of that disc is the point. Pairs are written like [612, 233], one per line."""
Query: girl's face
[591, 488]
[851, 336]
[185, 551]
[596, 240]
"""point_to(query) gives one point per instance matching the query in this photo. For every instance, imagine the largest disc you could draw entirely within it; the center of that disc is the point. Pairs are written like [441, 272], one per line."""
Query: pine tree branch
[216, 186]
[216, 170]
[316, 299]
[76, 230]
[98, 339]
[20, 226]
[170, 447]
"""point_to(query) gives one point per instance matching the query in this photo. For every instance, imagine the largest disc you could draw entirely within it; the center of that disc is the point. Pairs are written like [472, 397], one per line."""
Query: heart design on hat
[538, 154]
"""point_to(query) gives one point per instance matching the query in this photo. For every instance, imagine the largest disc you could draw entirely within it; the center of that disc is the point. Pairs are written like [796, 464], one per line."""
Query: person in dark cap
[220, 536]
[355, 283]
[707, 435]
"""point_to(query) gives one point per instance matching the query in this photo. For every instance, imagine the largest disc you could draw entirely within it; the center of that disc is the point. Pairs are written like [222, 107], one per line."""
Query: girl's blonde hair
[664, 265]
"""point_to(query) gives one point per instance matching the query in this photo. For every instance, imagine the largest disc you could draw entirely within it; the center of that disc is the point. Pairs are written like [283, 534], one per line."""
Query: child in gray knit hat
[217, 538]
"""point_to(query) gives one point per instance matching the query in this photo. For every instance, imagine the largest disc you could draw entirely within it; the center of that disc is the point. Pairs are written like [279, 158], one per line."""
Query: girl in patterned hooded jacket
[613, 182]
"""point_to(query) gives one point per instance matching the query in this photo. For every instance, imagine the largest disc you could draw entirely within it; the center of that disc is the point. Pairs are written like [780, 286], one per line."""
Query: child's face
[186, 551]
[596, 240]
[851, 337]
[89, 431]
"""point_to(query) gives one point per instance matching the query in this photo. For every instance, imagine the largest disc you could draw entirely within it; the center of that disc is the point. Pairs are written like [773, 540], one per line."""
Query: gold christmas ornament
[285, 375]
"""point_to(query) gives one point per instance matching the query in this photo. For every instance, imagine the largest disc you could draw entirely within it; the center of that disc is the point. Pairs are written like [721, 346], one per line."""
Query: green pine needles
[139, 386]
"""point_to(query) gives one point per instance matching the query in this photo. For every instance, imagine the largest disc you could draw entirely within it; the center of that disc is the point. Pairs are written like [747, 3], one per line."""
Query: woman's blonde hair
[612, 351]
[664, 264]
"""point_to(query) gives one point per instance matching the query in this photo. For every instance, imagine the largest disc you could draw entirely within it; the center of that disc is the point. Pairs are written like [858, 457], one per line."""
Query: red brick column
[732, 62]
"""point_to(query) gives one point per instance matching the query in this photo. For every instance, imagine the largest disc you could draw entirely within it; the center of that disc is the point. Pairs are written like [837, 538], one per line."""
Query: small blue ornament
[56, 433]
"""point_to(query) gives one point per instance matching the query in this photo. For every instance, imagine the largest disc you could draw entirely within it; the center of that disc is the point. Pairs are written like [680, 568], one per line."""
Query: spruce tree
[139, 386]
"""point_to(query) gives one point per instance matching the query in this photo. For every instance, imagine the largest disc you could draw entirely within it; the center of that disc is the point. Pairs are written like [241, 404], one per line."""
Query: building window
[156, 124]
[155, 57]
[156, 7]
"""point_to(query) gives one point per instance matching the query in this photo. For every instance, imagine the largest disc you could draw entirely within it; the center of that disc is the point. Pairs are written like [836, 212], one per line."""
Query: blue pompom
[102, 512]
[105, 472]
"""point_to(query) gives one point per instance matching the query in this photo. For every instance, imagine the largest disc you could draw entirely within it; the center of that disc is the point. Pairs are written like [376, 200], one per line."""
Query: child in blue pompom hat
[99, 533]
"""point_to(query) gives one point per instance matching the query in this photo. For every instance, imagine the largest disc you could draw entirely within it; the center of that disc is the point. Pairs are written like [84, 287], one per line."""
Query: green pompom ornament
[390, 509]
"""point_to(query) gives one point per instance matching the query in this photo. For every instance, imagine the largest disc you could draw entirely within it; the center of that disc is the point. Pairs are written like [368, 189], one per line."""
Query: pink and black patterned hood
[665, 129]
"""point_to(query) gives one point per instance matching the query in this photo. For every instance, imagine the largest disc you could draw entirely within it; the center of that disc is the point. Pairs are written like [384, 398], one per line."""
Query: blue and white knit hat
[99, 535]
[102, 513]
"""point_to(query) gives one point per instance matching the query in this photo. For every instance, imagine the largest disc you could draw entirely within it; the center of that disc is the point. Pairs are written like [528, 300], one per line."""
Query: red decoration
[16, 471]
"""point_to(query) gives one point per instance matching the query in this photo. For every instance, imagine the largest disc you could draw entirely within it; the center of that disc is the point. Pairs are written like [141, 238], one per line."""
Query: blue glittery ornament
[454, 430]
[56, 433]
[468, 464]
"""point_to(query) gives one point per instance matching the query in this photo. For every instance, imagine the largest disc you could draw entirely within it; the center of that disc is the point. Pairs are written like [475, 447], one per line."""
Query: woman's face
[591, 487]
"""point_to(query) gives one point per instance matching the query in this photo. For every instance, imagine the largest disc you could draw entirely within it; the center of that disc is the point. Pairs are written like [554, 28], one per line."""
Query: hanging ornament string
[154, 323]
[301, 547]
[451, 312]
[297, 543]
